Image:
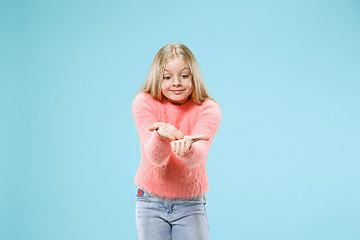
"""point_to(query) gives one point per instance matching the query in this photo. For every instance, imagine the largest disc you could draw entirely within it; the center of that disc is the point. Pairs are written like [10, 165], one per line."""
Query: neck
[175, 103]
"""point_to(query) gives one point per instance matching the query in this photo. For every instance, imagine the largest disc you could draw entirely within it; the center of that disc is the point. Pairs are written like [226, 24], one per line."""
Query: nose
[176, 81]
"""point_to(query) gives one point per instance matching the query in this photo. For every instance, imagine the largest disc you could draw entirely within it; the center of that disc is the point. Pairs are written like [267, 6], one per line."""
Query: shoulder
[211, 106]
[209, 110]
[143, 99]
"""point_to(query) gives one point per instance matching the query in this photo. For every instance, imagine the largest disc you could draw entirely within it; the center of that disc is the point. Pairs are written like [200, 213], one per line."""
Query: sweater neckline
[179, 106]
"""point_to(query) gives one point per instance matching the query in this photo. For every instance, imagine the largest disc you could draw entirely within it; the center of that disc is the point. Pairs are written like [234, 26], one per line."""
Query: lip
[177, 92]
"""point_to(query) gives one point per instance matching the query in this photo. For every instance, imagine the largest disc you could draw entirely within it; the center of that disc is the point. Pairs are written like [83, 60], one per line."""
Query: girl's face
[177, 83]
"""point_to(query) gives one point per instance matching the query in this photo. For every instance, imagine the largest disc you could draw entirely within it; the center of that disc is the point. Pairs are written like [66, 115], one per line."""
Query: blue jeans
[165, 219]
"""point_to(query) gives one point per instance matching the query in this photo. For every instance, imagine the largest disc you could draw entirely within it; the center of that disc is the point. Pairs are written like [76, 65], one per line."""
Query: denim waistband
[142, 193]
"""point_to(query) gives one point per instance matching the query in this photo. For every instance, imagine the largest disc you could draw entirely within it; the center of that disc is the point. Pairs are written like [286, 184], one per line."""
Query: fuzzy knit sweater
[161, 171]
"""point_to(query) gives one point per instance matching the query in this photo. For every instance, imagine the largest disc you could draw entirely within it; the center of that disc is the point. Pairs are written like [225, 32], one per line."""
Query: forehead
[176, 64]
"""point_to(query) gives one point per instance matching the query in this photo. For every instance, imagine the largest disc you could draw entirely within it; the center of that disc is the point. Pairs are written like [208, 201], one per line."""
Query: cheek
[163, 86]
[191, 85]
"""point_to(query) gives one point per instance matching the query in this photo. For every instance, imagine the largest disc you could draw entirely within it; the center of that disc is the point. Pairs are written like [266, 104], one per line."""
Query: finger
[174, 135]
[173, 146]
[178, 148]
[182, 148]
[153, 127]
[165, 134]
[200, 137]
[187, 147]
[169, 136]
[169, 130]
[178, 135]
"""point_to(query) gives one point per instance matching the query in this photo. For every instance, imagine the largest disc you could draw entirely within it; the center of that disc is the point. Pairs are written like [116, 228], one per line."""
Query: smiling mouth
[177, 91]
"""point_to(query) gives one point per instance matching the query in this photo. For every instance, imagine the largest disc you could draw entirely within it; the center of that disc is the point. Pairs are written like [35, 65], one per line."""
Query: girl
[176, 122]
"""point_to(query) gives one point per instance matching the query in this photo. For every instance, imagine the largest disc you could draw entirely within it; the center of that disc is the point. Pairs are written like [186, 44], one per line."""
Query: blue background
[284, 164]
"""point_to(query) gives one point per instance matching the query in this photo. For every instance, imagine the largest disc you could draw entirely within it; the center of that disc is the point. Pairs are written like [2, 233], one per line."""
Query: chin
[181, 100]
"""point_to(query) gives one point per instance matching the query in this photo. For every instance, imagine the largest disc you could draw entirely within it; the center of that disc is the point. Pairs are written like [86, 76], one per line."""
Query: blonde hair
[155, 76]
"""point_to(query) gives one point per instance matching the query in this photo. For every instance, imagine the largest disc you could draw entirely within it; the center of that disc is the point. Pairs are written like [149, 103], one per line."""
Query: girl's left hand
[182, 146]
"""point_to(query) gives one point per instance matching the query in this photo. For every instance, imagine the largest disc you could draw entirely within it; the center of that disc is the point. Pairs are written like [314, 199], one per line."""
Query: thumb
[154, 127]
[200, 137]
[203, 137]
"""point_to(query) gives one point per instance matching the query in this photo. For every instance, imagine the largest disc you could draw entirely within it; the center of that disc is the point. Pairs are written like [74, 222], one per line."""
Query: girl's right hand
[166, 130]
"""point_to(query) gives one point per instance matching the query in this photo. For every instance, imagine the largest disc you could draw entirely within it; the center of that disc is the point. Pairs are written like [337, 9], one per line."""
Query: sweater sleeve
[156, 148]
[207, 122]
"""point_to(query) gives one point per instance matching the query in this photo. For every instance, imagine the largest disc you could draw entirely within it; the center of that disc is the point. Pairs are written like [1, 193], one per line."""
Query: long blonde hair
[155, 76]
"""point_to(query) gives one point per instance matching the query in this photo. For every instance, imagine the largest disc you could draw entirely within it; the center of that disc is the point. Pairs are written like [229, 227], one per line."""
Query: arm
[197, 145]
[156, 148]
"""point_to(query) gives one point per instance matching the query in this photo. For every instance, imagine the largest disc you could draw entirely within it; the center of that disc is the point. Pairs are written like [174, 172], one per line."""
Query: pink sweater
[161, 172]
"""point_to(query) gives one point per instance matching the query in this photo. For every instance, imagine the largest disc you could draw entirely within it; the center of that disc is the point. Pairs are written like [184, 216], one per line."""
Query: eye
[167, 77]
[184, 76]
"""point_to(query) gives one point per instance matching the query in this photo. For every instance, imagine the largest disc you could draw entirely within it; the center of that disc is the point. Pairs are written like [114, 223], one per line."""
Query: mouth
[177, 92]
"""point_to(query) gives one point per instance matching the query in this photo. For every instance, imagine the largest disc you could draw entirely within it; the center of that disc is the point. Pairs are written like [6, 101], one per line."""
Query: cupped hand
[182, 146]
[167, 131]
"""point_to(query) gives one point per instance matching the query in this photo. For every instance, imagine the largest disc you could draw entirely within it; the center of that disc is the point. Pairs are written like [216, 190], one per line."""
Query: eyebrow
[181, 69]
